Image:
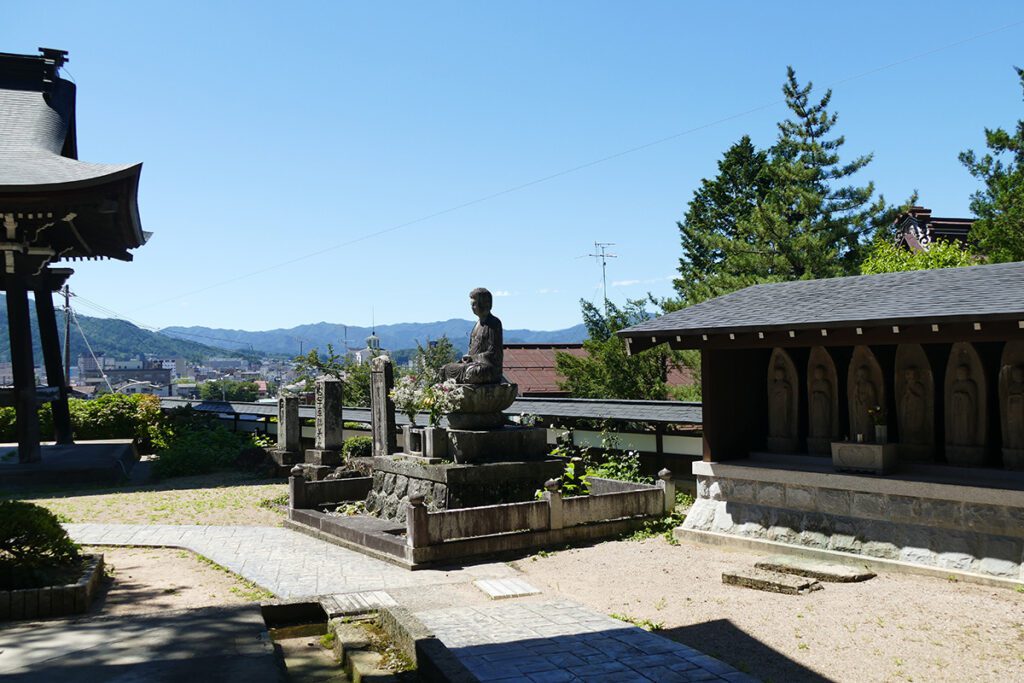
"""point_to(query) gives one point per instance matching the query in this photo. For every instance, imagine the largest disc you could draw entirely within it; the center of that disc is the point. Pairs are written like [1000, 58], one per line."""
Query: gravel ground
[155, 579]
[892, 628]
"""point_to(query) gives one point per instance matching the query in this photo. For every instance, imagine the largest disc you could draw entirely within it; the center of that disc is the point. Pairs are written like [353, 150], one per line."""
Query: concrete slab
[209, 644]
[344, 604]
[107, 461]
[832, 572]
[499, 589]
[773, 582]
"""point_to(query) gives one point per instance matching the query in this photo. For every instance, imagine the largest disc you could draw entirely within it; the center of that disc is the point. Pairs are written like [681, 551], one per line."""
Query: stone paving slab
[285, 562]
[816, 569]
[499, 589]
[206, 644]
[564, 641]
[771, 581]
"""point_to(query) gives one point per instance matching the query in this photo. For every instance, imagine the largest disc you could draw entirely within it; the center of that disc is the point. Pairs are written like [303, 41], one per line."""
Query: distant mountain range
[392, 337]
[115, 338]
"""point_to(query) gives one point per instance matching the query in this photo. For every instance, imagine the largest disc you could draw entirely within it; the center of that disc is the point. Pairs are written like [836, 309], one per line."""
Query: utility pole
[604, 256]
[67, 335]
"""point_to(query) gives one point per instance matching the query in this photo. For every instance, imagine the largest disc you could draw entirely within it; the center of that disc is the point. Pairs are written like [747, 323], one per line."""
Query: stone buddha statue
[483, 360]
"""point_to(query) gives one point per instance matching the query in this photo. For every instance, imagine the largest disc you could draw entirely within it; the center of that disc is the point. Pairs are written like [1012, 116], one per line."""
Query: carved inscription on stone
[329, 402]
[783, 406]
[1011, 404]
[965, 407]
[822, 401]
[914, 386]
[865, 393]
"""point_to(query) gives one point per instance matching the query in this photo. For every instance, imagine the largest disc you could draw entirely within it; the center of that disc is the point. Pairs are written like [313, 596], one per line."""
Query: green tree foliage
[228, 390]
[607, 371]
[356, 391]
[431, 358]
[111, 416]
[798, 216]
[998, 232]
[885, 257]
[710, 228]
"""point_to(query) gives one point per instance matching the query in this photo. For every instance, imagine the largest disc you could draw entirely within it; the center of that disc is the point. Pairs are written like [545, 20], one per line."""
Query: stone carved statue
[483, 361]
[966, 436]
[822, 402]
[865, 392]
[1011, 399]
[782, 404]
[915, 403]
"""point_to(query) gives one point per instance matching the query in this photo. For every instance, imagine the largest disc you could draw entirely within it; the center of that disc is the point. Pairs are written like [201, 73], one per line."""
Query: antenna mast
[601, 248]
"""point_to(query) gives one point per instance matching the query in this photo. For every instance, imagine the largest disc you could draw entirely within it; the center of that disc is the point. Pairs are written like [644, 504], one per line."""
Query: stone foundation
[449, 486]
[952, 526]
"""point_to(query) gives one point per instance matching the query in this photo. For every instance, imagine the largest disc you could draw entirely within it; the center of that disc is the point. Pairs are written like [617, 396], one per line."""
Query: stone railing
[615, 501]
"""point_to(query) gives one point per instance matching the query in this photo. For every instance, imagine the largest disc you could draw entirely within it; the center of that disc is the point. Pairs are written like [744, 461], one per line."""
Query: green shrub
[111, 416]
[201, 450]
[33, 545]
[357, 447]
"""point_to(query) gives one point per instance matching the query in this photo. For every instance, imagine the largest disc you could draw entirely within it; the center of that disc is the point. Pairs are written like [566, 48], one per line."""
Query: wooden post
[23, 367]
[668, 489]
[416, 531]
[554, 498]
[55, 376]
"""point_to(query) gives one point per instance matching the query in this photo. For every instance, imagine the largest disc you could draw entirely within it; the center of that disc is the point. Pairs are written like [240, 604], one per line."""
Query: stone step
[773, 582]
[499, 589]
[346, 604]
[832, 572]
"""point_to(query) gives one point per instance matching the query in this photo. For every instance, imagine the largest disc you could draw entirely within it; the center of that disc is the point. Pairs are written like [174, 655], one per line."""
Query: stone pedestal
[435, 442]
[448, 486]
[482, 405]
[506, 443]
[877, 458]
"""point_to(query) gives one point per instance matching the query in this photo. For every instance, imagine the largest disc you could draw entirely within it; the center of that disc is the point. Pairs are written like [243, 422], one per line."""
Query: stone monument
[783, 404]
[865, 390]
[965, 407]
[1011, 404]
[822, 402]
[494, 462]
[289, 431]
[382, 408]
[328, 437]
[914, 386]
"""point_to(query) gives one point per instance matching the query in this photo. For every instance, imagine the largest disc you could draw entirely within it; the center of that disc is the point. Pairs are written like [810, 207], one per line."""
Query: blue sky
[274, 136]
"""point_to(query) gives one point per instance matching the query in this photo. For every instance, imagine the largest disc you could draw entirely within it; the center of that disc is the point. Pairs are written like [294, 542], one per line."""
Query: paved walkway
[516, 640]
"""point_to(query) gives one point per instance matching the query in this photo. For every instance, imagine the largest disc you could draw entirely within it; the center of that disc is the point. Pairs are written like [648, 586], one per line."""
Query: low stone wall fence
[305, 495]
[424, 528]
[54, 601]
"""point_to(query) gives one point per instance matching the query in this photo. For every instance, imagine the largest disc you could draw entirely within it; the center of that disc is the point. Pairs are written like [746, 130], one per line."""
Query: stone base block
[831, 572]
[876, 458]
[319, 456]
[283, 457]
[773, 582]
[312, 472]
[505, 444]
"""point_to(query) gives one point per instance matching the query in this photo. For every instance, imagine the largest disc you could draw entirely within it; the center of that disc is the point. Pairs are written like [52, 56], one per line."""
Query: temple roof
[973, 294]
[40, 172]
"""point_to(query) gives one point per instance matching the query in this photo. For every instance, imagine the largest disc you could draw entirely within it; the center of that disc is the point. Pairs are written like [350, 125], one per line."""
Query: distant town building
[372, 350]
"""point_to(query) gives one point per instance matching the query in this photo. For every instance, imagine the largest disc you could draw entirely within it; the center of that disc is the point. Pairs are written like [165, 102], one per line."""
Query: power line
[574, 169]
[95, 360]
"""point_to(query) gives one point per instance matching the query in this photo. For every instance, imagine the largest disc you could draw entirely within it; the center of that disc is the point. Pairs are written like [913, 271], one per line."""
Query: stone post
[328, 439]
[416, 531]
[554, 498]
[289, 431]
[382, 408]
[668, 488]
[296, 489]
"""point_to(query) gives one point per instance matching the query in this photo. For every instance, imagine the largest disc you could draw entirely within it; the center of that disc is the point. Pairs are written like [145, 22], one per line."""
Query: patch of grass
[803, 646]
[664, 526]
[327, 640]
[274, 503]
[645, 624]
[247, 590]
[1019, 589]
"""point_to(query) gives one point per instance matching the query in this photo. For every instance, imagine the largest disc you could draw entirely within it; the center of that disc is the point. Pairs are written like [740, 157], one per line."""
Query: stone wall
[935, 525]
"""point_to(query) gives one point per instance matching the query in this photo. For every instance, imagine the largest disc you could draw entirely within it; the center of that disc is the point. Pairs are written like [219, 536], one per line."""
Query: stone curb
[54, 601]
[434, 661]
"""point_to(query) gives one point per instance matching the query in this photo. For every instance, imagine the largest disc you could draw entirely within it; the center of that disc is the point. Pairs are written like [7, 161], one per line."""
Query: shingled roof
[91, 209]
[975, 294]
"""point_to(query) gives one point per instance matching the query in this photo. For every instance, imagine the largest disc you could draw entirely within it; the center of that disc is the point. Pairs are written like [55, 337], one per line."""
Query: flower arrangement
[878, 415]
[440, 399]
[408, 396]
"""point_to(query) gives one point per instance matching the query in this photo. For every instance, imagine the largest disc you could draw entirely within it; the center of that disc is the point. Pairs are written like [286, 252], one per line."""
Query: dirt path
[891, 628]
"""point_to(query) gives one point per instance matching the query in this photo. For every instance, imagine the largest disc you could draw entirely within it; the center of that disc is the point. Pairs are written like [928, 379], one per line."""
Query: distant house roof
[973, 294]
[532, 367]
[918, 228]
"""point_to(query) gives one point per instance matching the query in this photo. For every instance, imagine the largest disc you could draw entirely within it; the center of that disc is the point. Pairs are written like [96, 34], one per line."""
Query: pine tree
[796, 217]
[710, 224]
[998, 233]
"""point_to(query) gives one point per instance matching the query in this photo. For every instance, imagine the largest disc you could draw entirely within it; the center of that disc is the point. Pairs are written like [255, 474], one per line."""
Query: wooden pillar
[54, 368]
[23, 366]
